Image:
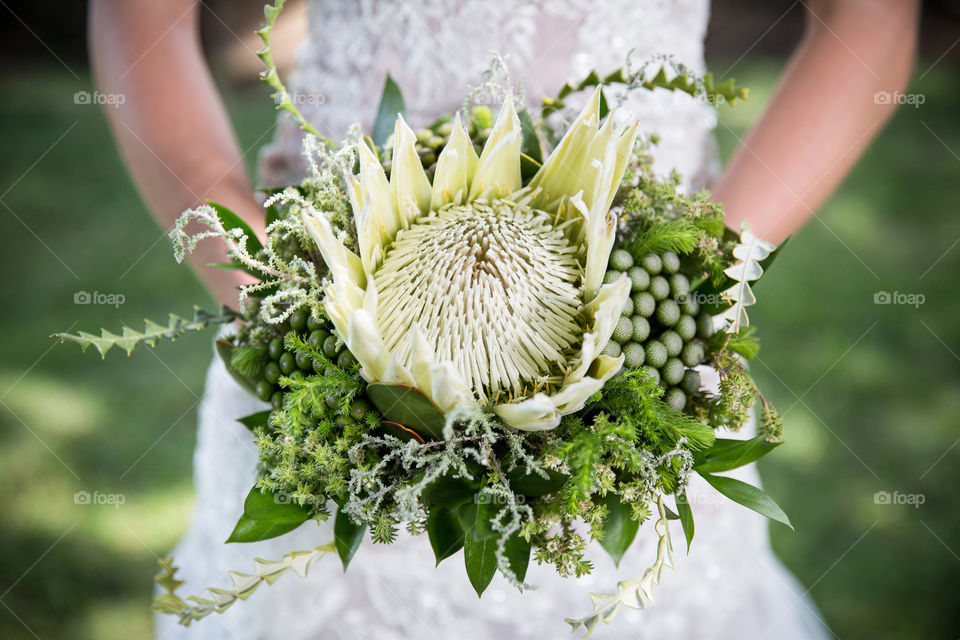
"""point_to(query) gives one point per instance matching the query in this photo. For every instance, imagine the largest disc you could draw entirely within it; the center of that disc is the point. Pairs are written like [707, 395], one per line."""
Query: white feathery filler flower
[475, 289]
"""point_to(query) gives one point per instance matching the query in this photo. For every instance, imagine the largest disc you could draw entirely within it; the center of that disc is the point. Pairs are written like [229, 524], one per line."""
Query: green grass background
[870, 394]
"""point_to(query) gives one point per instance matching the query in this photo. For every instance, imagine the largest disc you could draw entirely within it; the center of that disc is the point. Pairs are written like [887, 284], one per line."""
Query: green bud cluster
[661, 327]
[283, 362]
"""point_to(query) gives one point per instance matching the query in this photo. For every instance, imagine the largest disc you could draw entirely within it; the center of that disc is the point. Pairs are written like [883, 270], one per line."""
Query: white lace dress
[729, 586]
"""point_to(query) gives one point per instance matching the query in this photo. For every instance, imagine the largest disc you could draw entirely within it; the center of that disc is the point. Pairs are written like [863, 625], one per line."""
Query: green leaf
[449, 492]
[604, 107]
[259, 419]
[267, 515]
[727, 454]
[445, 532]
[475, 517]
[225, 351]
[517, 550]
[409, 407]
[347, 537]
[232, 221]
[686, 517]
[619, 529]
[391, 104]
[749, 496]
[745, 343]
[534, 486]
[480, 559]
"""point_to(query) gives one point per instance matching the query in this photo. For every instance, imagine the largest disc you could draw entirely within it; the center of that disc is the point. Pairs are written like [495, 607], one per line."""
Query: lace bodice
[730, 586]
[435, 49]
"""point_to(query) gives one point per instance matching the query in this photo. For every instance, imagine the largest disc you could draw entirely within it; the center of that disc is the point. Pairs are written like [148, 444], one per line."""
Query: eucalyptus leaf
[619, 529]
[347, 537]
[749, 496]
[445, 532]
[727, 454]
[409, 407]
[480, 559]
[391, 104]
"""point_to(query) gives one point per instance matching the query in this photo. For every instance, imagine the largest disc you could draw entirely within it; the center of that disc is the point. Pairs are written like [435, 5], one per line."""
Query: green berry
[676, 399]
[672, 371]
[304, 362]
[445, 129]
[633, 355]
[313, 325]
[427, 158]
[692, 354]
[611, 276]
[650, 372]
[251, 308]
[689, 304]
[668, 312]
[359, 408]
[423, 135]
[330, 347]
[621, 260]
[276, 400]
[679, 285]
[656, 354]
[652, 263]
[671, 263]
[298, 320]
[623, 330]
[435, 142]
[275, 349]
[271, 372]
[704, 325]
[639, 279]
[691, 382]
[686, 327]
[317, 339]
[628, 307]
[287, 364]
[659, 288]
[346, 360]
[264, 390]
[612, 349]
[641, 329]
[673, 343]
[332, 400]
[644, 304]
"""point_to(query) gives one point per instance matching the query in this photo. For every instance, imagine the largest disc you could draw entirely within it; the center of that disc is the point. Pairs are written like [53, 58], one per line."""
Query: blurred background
[95, 456]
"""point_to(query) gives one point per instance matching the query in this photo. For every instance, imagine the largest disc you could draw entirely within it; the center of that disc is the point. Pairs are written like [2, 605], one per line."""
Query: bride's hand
[172, 129]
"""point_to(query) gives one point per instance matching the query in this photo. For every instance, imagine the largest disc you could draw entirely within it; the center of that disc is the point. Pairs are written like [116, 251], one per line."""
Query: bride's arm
[172, 129]
[823, 114]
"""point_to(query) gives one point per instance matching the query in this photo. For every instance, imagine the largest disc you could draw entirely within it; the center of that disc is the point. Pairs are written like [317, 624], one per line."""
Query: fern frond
[678, 236]
[636, 594]
[244, 584]
[153, 332]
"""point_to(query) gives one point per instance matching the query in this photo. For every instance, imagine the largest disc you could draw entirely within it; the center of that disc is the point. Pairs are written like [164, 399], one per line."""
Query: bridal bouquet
[463, 334]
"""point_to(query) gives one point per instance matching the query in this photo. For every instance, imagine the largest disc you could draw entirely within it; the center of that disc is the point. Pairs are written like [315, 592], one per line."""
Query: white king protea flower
[476, 289]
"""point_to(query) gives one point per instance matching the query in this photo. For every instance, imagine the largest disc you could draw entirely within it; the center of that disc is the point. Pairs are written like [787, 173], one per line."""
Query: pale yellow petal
[455, 168]
[533, 414]
[498, 169]
[410, 184]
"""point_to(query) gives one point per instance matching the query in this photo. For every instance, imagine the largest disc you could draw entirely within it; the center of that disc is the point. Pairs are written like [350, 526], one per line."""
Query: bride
[177, 141]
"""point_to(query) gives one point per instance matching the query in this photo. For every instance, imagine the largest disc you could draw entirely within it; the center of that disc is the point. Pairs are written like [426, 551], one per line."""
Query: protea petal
[498, 170]
[455, 169]
[335, 255]
[538, 413]
[409, 181]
